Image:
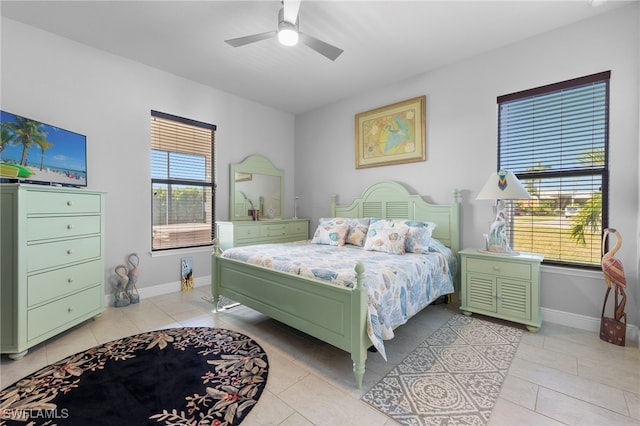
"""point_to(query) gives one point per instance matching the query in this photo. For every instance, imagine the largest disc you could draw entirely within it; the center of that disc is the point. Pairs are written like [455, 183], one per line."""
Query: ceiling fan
[288, 33]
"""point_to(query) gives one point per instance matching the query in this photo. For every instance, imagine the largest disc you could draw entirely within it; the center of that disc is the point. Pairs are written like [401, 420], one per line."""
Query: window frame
[210, 183]
[601, 171]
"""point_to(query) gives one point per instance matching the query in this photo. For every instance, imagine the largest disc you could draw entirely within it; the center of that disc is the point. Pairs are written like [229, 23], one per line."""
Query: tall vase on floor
[131, 290]
[120, 295]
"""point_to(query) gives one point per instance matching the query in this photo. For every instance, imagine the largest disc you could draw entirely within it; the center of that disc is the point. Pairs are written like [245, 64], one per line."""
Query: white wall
[109, 99]
[461, 138]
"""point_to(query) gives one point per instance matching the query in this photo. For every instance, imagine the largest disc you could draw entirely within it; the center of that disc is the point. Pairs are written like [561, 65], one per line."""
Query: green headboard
[391, 200]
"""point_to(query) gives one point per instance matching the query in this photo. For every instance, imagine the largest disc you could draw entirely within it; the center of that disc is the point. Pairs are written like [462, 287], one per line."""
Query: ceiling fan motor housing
[287, 31]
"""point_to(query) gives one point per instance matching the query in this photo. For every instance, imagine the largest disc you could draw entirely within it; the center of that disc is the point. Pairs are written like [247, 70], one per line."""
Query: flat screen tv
[35, 152]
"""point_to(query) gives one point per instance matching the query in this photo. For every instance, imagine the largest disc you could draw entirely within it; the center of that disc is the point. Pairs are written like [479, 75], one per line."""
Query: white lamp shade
[503, 185]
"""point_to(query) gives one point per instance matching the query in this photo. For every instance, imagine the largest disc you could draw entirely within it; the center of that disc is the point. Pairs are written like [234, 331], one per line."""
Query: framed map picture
[393, 134]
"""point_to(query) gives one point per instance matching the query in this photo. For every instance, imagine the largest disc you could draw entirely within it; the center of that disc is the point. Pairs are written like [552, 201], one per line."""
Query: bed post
[214, 275]
[334, 198]
[455, 221]
[455, 297]
[359, 337]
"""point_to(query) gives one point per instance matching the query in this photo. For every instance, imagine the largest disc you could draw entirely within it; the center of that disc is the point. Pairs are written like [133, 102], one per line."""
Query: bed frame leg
[360, 340]
[214, 278]
[358, 372]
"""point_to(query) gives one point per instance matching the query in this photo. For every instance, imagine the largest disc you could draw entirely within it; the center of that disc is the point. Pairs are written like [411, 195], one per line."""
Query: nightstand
[502, 286]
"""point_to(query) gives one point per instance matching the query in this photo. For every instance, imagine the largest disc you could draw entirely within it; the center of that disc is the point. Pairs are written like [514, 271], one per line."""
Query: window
[182, 188]
[555, 140]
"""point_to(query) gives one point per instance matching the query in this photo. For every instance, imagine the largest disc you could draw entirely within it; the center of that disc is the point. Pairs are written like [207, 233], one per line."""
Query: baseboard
[160, 289]
[584, 322]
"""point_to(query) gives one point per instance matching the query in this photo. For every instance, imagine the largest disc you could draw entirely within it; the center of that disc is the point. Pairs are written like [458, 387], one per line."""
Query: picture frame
[186, 273]
[392, 134]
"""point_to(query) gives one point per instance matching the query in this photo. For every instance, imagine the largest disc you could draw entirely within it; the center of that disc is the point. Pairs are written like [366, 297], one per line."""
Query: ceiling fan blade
[241, 41]
[321, 47]
[291, 8]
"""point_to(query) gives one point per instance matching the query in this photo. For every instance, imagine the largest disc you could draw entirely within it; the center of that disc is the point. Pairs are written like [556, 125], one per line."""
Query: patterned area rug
[453, 377]
[178, 376]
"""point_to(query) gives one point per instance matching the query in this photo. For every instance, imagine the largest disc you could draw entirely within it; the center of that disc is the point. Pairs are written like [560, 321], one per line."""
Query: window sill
[173, 252]
[574, 272]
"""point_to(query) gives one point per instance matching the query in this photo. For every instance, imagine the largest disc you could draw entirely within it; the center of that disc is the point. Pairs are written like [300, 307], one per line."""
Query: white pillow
[358, 228]
[333, 235]
[386, 236]
[419, 236]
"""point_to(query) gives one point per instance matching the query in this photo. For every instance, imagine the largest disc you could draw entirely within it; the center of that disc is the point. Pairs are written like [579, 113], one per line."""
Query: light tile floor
[560, 375]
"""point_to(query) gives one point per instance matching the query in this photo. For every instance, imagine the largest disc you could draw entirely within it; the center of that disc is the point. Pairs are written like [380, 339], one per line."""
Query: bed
[337, 314]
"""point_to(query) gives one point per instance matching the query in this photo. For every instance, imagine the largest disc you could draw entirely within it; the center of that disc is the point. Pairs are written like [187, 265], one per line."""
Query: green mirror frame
[256, 184]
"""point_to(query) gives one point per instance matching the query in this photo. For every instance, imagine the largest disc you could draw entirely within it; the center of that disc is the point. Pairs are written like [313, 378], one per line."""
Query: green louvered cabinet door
[506, 287]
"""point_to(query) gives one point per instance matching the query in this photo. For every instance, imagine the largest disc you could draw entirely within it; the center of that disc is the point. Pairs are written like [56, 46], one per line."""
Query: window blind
[555, 139]
[182, 169]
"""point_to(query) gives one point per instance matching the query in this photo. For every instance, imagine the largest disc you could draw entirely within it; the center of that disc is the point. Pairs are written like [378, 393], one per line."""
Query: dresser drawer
[39, 202]
[42, 228]
[246, 232]
[497, 267]
[56, 314]
[49, 285]
[274, 230]
[47, 255]
[299, 228]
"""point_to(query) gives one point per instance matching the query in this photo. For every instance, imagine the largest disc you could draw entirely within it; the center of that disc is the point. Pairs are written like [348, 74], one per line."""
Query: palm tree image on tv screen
[35, 152]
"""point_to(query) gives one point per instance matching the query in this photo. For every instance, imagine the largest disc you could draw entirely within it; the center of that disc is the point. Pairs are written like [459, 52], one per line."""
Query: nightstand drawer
[48, 255]
[497, 267]
[39, 202]
[49, 285]
[43, 228]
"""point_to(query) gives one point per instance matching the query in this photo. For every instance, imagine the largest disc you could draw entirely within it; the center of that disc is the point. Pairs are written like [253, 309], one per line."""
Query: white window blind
[182, 168]
[555, 139]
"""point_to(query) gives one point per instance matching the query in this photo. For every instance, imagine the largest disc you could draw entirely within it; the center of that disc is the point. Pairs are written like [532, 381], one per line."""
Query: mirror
[256, 184]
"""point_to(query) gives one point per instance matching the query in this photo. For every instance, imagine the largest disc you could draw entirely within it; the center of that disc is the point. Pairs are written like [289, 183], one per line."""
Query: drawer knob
[69, 226]
[69, 251]
[69, 202]
[69, 280]
[69, 309]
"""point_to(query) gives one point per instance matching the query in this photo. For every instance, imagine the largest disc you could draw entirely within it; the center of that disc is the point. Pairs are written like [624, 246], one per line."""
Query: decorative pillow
[333, 235]
[357, 228]
[387, 236]
[419, 235]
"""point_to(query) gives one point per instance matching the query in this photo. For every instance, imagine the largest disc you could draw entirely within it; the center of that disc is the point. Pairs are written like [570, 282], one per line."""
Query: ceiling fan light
[288, 36]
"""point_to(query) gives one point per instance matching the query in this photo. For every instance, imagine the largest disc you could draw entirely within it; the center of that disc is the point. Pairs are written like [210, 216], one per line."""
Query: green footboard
[334, 314]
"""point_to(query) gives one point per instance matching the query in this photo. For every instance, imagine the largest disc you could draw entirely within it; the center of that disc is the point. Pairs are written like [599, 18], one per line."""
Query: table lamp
[501, 185]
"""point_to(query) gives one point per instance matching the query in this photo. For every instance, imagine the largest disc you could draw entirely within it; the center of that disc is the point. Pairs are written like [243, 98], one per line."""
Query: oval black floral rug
[178, 376]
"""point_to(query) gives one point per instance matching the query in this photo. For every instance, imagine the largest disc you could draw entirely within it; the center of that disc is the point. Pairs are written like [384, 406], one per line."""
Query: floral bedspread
[399, 286]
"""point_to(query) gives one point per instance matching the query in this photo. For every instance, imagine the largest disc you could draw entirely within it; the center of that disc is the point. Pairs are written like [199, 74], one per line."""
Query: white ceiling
[383, 41]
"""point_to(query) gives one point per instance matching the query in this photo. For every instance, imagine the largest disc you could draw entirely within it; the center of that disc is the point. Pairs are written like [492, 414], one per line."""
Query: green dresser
[502, 286]
[52, 257]
[245, 233]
